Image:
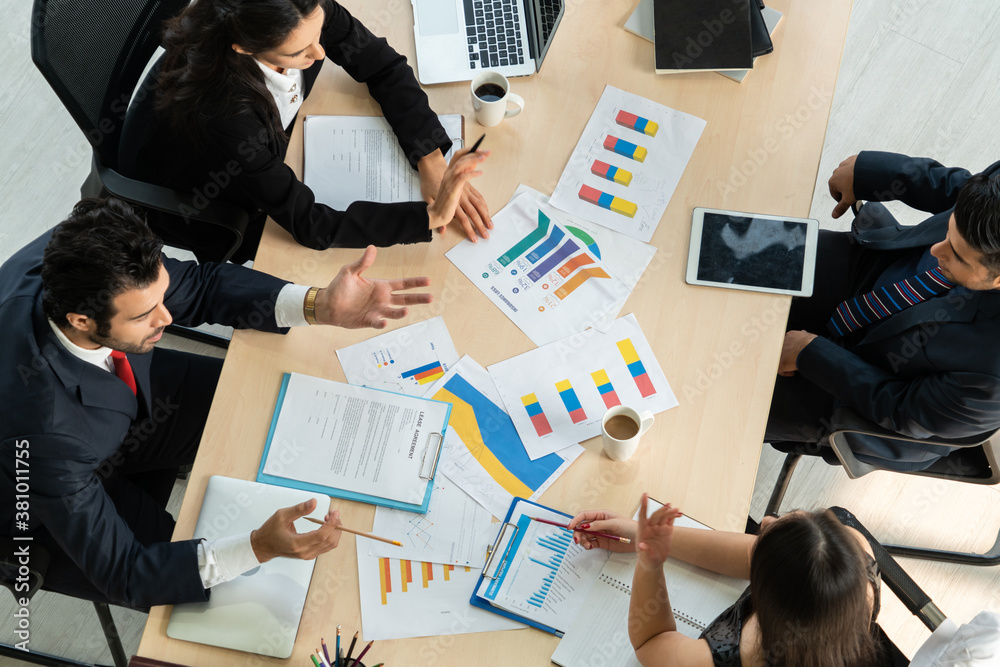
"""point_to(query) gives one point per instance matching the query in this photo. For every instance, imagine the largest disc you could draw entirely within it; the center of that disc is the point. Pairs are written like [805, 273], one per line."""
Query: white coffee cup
[492, 108]
[618, 444]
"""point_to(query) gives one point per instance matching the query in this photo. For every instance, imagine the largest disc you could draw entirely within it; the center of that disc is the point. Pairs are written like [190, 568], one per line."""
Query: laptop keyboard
[493, 35]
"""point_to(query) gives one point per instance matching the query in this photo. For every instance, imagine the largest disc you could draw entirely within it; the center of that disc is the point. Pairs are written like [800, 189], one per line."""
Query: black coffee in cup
[490, 92]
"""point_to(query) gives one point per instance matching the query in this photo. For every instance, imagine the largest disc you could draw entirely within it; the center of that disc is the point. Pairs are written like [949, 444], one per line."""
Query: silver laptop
[456, 39]
[257, 612]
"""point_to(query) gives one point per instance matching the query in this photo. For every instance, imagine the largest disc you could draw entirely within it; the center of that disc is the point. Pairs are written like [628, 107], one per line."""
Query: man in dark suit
[923, 367]
[93, 415]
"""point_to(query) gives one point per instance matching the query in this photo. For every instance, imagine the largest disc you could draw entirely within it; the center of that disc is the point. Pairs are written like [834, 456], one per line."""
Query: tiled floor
[918, 77]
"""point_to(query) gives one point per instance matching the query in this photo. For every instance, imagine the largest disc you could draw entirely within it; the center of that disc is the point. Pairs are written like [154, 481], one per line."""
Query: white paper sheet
[652, 181]
[546, 278]
[483, 453]
[406, 360]
[435, 600]
[455, 530]
[357, 158]
[558, 394]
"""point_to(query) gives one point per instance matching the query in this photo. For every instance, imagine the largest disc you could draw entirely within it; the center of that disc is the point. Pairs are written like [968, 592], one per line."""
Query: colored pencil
[623, 540]
[315, 661]
[325, 652]
[337, 651]
[323, 661]
[357, 661]
[357, 532]
[350, 650]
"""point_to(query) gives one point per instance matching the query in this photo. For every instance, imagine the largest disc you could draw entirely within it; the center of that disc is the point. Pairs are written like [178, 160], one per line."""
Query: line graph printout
[543, 276]
[405, 598]
[455, 530]
[627, 164]
[574, 381]
[483, 453]
[405, 361]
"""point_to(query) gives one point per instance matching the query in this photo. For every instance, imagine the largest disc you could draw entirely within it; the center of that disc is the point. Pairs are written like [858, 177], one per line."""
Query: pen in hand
[475, 146]
[623, 540]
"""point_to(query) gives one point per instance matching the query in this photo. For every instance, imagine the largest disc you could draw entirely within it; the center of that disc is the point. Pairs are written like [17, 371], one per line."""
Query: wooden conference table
[718, 348]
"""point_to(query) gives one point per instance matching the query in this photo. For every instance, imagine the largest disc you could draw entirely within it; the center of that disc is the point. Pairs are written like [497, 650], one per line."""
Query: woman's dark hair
[200, 66]
[809, 589]
[977, 218]
[102, 250]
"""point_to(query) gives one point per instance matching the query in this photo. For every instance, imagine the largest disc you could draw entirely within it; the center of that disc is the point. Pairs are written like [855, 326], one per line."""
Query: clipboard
[430, 457]
[498, 557]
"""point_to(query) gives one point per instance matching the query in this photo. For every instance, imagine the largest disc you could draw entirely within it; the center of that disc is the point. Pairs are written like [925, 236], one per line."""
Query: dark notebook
[702, 35]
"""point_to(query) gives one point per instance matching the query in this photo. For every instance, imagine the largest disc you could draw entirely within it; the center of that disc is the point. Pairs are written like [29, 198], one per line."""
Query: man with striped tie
[904, 322]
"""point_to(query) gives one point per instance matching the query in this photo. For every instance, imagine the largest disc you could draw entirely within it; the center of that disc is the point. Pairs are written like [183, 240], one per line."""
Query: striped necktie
[123, 369]
[879, 304]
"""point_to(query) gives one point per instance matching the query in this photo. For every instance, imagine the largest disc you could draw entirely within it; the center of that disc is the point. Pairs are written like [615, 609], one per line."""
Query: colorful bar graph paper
[564, 251]
[545, 247]
[636, 368]
[610, 202]
[605, 388]
[580, 278]
[426, 374]
[637, 123]
[536, 415]
[625, 148]
[531, 239]
[611, 172]
[572, 403]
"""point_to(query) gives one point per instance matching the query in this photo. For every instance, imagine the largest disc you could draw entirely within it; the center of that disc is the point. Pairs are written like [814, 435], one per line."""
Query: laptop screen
[545, 17]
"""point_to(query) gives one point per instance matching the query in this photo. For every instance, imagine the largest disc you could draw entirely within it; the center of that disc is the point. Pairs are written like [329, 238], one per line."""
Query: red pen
[623, 540]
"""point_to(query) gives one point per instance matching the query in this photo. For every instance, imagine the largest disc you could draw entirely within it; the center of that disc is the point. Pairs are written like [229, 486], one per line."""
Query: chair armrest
[894, 576]
[229, 217]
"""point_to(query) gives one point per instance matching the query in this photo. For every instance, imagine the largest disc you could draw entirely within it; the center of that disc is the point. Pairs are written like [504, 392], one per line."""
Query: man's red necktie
[123, 369]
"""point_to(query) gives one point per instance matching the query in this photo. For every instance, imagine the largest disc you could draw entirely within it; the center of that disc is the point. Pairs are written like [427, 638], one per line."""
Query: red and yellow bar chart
[637, 123]
[635, 367]
[625, 148]
[538, 419]
[610, 202]
[570, 400]
[605, 388]
[611, 173]
[425, 374]
[406, 575]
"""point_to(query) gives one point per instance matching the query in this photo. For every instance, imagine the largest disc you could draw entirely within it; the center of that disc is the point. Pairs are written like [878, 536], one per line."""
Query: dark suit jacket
[74, 416]
[239, 160]
[933, 369]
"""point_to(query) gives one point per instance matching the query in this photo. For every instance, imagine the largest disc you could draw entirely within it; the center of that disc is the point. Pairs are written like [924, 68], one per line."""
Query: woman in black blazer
[225, 101]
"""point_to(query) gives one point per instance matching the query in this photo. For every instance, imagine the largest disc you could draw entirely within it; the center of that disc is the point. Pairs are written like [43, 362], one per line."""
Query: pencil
[315, 661]
[325, 652]
[623, 540]
[357, 532]
[357, 661]
[323, 661]
[350, 650]
[475, 146]
[337, 652]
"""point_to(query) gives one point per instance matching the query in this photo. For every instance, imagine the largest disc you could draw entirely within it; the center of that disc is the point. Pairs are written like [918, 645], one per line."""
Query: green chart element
[531, 239]
[587, 239]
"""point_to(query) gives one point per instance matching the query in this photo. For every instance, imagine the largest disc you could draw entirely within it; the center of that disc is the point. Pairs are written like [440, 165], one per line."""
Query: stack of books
[724, 36]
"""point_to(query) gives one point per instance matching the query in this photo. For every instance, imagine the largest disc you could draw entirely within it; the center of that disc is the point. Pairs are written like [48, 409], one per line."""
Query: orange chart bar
[428, 572]
[384, 578]
[577, 280]
[574, 263]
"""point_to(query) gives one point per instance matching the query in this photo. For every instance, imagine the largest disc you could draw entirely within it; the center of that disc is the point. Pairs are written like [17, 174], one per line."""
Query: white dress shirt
[286, 89]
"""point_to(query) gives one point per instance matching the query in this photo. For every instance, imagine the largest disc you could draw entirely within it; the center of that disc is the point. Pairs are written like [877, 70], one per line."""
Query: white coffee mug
[490, 102]
[622, 447]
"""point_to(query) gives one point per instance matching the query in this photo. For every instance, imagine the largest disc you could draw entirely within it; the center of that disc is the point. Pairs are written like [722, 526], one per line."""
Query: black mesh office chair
[975, 461]
[92, 53]
[12, 576]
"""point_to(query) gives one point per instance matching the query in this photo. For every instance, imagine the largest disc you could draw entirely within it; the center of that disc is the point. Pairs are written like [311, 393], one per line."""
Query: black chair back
[92, 53]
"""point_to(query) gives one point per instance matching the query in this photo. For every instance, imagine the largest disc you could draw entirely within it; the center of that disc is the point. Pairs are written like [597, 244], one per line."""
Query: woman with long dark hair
[227, 91]
[812, 600]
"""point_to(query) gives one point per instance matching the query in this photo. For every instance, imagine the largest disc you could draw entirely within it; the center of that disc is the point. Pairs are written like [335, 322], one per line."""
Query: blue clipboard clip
[432, 468]
[491, 551]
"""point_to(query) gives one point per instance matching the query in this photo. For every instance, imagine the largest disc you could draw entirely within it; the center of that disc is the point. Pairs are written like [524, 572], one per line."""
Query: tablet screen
[752, 251]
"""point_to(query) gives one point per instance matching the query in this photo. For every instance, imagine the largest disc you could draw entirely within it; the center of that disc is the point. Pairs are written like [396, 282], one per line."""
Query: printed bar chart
[625, 148]
[426, 374]
[552, 553]
[553, 261]
[637, 123]
[384, 578]
[575, 263]
[610, 202]
[611, 173]
[406, 575]
[605, 388]
[570, 400]
[636, 368]
[528, 241]
[536, 415]
[580, 278]
[546, 246]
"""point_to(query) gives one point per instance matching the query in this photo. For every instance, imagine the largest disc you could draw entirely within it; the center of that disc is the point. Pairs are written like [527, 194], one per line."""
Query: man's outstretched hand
[352, 301]
[278, 537]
